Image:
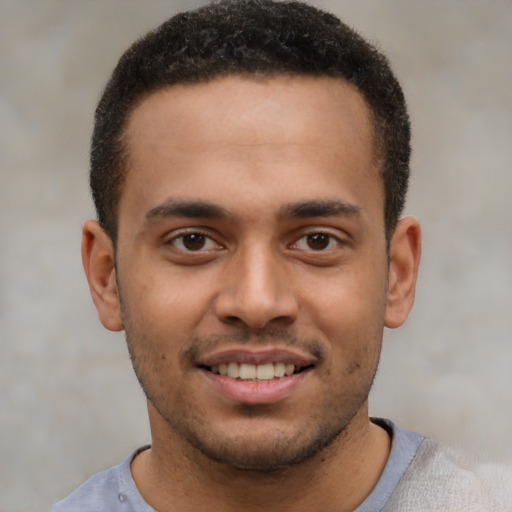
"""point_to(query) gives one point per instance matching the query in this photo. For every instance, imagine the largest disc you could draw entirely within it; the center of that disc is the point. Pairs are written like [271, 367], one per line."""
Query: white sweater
[441, 479]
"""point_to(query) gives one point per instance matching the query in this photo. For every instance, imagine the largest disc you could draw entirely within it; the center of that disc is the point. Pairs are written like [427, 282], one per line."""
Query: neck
[172, 475]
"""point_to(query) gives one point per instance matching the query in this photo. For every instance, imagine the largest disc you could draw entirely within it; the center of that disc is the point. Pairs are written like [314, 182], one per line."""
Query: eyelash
[202, 237]
[323, 238]
[308, 238]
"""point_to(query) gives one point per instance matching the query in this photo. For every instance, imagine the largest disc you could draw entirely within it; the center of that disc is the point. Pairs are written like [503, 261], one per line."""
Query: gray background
[69, 405]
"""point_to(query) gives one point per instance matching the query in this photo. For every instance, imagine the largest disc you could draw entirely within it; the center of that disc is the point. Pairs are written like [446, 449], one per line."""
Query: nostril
[255, 310]
[233, 320]
[283, 320]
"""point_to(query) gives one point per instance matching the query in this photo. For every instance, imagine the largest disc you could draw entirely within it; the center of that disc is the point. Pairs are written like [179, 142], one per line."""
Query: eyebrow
[189, 209]
[319, 208]
[206, 210]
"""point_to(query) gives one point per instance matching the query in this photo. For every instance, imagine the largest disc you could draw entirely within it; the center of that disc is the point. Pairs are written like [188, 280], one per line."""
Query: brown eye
[194, 241]
[318, 241]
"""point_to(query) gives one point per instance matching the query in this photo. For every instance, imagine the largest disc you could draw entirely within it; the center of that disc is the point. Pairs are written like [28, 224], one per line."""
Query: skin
[251, 221]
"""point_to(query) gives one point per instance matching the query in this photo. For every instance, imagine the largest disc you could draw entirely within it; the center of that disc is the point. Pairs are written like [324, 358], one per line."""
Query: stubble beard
[258, 455]
[265, 455]
[262, 454]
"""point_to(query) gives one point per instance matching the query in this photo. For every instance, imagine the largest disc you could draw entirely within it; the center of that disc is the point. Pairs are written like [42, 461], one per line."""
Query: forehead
[274, 133]
[290, 102]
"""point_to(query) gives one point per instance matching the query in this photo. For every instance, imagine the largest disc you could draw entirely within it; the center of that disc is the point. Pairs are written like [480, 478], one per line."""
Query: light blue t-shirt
[114, 490]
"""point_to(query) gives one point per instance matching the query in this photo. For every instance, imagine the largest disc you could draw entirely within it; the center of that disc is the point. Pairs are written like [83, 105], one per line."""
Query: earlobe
[404, 259]
[99, 264]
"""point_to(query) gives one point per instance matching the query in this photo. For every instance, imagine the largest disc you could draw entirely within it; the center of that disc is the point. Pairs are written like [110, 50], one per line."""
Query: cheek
[347, 305]
[165, 302]
[349, 312]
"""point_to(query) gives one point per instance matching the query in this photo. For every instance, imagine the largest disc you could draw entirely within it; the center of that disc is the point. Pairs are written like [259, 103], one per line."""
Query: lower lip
[255, 392]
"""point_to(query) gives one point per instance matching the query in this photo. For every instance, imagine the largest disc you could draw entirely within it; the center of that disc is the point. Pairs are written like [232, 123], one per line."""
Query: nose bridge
[260, 278]
[257, 290]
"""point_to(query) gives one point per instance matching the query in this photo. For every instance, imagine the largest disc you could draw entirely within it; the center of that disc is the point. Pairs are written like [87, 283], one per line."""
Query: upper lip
[257, 357]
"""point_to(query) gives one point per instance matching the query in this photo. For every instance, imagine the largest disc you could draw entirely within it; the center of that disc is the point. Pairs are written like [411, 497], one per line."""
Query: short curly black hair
[258, 37]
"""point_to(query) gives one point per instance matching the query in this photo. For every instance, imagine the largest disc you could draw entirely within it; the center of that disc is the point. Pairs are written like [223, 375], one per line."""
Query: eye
[316, 242]
[193, 242]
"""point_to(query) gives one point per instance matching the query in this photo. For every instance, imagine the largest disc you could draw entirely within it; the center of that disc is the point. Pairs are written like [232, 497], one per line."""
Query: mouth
[255, 376]
[256, 372]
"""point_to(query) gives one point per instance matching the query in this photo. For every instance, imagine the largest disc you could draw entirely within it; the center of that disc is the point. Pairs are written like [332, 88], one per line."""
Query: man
[249, 166]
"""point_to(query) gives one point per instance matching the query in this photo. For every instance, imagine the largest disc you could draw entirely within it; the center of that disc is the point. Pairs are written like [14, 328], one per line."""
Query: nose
[256, 291]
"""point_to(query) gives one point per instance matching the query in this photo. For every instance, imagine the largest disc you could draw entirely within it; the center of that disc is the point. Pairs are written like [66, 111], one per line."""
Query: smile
[255, 372]
[254, 376]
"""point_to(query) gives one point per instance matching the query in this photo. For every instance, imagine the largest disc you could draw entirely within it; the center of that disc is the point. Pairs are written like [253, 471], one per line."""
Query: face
[252, 266]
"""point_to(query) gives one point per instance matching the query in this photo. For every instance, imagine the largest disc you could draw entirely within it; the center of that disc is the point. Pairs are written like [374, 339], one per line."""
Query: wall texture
[69, 405]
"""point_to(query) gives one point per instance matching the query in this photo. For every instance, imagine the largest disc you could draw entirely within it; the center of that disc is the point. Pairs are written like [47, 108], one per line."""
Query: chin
[264, 449]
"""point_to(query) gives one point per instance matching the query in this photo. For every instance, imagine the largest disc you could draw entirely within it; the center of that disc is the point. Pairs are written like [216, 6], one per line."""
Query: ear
[99, 265]
[404, 259]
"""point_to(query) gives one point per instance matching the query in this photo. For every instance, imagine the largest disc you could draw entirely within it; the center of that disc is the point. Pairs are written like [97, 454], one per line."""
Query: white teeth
[233, 370]
[279, 370]
[265, 371]
[247, 371]
[244, 371]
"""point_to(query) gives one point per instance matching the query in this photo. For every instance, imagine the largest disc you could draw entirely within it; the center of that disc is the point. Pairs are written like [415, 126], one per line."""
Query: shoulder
[112, 490]
[441, 478]
[91, 495]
